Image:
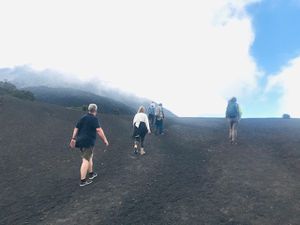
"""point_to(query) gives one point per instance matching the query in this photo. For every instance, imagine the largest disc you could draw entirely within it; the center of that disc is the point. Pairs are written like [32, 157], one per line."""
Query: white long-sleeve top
[141, 117]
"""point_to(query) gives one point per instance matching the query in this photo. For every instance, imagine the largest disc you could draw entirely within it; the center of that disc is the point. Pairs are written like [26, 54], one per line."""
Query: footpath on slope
[192, 175]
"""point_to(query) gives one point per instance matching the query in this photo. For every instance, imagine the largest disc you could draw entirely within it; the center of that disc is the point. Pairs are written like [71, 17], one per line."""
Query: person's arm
[73, 139]
[134, 120]
[226, 113]
[239, 112]
[101, 134]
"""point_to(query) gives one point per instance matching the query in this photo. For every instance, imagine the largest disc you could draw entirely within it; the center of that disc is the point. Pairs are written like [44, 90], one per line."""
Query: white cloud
[189, 55]
[287, 83]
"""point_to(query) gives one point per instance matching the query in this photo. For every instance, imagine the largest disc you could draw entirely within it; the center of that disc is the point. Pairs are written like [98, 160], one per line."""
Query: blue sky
[277, 33]
[190, 55]
[276, 25]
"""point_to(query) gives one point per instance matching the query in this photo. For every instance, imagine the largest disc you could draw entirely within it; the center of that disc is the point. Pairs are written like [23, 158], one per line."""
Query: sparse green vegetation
[85, 108]
[7, 88]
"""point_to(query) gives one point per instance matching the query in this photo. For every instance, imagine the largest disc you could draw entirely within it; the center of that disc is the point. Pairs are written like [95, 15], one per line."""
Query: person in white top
[141, 128]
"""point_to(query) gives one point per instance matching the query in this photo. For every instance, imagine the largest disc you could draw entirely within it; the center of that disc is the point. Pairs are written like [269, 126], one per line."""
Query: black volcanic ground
[190, 176]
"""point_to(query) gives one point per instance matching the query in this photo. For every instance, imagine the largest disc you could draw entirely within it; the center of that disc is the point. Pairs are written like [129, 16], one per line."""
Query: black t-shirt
[87, 126]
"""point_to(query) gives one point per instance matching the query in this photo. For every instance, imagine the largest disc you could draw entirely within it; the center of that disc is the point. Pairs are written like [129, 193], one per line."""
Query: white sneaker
[142, 151]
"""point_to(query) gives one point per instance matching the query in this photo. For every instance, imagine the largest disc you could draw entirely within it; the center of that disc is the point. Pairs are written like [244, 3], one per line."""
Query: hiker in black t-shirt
[84, 138]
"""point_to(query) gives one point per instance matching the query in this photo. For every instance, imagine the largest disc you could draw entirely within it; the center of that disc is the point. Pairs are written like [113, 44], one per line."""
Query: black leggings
[141, 140]
[139, 133]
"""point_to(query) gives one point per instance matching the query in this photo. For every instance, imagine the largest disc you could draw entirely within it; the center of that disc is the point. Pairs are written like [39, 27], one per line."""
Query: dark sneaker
[85, 183]
[93, 175]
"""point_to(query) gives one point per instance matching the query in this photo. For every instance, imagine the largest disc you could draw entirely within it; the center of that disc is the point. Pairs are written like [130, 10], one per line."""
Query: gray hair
[92, 108]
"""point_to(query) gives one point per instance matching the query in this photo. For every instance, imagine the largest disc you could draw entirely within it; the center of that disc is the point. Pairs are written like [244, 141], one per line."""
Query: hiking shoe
[93, 175]
[142, 151]
[135, 149]
[85, 183]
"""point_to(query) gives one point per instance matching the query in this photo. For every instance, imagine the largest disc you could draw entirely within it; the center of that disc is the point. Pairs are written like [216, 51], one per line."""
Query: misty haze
[150, 112]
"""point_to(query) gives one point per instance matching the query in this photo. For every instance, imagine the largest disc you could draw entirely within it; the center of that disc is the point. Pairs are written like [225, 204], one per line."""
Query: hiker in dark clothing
[233, 115]
[84, 138]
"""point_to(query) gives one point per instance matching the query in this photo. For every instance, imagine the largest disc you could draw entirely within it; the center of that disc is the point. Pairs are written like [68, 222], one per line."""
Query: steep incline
[192, 175]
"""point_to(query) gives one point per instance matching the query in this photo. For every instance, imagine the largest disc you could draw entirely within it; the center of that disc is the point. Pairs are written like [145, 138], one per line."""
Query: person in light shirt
[159, 119]
[141, 128]
[151, 113]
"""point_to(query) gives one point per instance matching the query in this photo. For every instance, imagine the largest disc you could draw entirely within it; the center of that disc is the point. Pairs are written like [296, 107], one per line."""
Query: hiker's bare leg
[84, 169]
[234, 132]
[91, 164]
[142, 146]
[230, 130]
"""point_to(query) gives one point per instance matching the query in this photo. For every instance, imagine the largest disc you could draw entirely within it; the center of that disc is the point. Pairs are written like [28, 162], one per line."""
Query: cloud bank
[189, 55]
[286, 82]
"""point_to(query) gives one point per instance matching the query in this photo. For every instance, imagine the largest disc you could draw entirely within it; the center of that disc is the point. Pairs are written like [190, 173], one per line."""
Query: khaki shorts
[87, 153]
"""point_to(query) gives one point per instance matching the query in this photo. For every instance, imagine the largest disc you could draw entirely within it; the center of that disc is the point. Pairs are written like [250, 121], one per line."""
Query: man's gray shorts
[87, 153]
